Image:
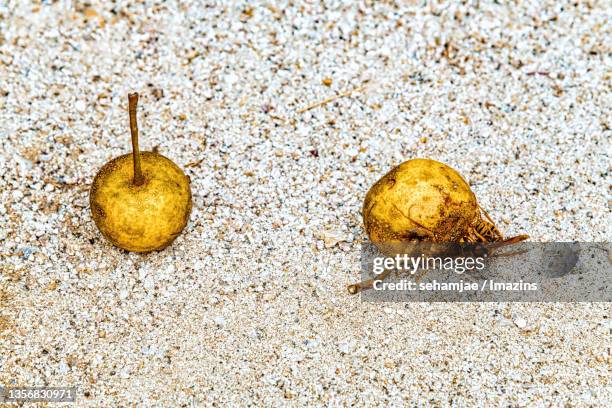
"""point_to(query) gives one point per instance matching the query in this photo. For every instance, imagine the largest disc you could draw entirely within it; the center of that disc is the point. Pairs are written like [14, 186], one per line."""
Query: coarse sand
[283, 114]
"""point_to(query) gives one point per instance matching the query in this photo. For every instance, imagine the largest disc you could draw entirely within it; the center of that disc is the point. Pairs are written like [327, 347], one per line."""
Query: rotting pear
[423, 200]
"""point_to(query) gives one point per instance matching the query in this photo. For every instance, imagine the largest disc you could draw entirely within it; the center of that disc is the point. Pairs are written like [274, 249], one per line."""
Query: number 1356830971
[37, 394]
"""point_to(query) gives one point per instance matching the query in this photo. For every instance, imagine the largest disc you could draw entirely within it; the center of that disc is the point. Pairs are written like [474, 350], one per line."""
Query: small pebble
[520, 323]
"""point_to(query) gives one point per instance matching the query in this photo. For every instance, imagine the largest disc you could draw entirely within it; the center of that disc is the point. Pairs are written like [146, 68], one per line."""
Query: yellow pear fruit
[425, 201]
[140, 201]
[419, 200]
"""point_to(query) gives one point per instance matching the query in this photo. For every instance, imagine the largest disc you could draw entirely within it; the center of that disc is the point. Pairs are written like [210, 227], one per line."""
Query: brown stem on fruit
[133, 104]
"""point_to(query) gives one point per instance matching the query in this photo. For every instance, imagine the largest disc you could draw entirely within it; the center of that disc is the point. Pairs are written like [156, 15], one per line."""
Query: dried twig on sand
[330, 99]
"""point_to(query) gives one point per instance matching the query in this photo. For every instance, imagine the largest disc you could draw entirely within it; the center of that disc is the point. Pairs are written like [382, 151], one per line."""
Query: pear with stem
[140, 201]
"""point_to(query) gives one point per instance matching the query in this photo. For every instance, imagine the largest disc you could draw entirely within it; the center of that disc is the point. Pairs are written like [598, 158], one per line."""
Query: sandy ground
[249, 305]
